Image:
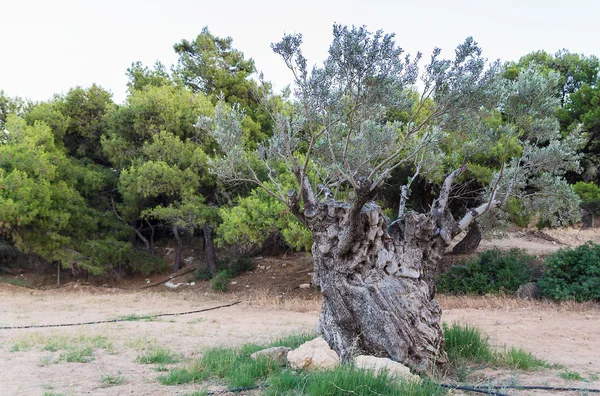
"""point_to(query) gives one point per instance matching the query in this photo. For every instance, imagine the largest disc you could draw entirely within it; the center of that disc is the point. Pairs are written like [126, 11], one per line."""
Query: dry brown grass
[494, 302]
[265, 299]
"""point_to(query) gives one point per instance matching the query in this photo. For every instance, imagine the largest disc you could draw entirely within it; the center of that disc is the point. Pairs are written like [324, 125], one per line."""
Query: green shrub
[516, 213]
[220, 281]
[238, 266]
[494, 271]
[203, 274]
[573, 274]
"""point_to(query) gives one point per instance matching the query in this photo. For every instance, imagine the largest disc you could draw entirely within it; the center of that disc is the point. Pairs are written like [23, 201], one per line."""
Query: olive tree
[377, 276]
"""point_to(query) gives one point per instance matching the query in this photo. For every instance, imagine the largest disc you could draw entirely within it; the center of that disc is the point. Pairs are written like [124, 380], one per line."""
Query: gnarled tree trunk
[377, 281]
[470, 242]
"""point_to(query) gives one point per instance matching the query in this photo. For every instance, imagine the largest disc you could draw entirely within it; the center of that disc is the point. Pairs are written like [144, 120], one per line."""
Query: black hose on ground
[548, 388]
[476, 389]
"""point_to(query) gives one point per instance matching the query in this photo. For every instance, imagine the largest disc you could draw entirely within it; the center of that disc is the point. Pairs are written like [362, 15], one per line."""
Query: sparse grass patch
[137, 318]
[140, 342]
[17, 282]
[78, 348]
[160, 368]
[197, 393]
[158, 355]
[112, 380]
[571, 375]
[77, 355]
[466, 344]
[53, 394]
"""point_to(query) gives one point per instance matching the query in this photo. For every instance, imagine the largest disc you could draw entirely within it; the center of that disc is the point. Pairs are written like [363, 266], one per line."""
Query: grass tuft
[158, 355]
[571, 375]
[112, 380]
[464, 343]
[77, 348]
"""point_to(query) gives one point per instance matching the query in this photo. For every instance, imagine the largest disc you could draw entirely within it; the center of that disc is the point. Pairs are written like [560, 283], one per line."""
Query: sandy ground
[568, 336]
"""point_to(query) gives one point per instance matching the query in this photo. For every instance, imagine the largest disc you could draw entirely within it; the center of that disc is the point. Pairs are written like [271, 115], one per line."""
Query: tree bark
[377, 283]
[211, 259]
[177, 264]
[470, 242]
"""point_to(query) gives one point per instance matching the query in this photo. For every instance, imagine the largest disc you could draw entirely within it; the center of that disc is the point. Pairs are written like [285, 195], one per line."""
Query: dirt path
[554, 334]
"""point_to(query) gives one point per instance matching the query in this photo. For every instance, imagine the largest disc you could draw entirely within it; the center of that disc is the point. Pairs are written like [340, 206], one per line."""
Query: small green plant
[203, 274]
[17, 282]
[494, 271]
[112, 380]
[158, 355]
[137, 318]
[571, 375]
[45, 361]
[160, 368]
[573, 274]
[220, 281]
[77, 355]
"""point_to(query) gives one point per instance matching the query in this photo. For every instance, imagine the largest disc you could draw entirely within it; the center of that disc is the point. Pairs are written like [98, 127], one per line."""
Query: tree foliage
[339, 125]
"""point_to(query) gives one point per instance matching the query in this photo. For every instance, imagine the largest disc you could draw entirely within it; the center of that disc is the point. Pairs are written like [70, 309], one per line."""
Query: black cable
[116, 320]
[550, 388]
[473, 389]
[235, 390]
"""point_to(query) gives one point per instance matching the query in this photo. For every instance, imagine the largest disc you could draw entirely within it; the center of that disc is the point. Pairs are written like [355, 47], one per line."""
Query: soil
[273, 304]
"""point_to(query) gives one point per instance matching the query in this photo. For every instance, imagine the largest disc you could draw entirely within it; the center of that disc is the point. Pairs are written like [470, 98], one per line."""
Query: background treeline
[92, 185]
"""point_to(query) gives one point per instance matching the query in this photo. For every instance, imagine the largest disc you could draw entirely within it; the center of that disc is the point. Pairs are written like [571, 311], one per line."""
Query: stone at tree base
[277, 354]
[313, 355]
[304, 286]
[393, 369]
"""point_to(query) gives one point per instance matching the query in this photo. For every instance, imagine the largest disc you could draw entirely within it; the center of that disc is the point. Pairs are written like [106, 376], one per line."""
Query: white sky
[47, 47]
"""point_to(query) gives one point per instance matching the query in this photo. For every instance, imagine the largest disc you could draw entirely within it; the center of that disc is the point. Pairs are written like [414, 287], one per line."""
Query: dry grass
[268, 300]
[507, 303]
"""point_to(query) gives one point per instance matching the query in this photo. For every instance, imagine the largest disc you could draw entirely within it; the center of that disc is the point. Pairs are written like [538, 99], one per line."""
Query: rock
[233, 283]
[268, 267]
[529, 290]
[304, 286]
[313, 355]
[393, 369]
[277, 354]
[188, 260]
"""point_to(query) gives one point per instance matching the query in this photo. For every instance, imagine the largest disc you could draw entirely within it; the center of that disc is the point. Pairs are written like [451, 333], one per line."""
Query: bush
[235, 266]
[203, 274]
[220, 281]
[573, 274]
[494, 271]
